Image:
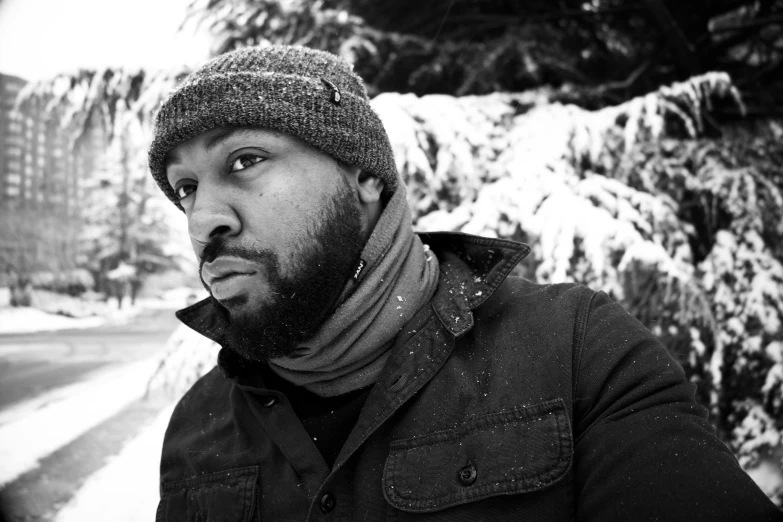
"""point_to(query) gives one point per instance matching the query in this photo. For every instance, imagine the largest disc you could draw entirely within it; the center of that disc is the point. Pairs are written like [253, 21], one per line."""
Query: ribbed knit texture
[280, 88]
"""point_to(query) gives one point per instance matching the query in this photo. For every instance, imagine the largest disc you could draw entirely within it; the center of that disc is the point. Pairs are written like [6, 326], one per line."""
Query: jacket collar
[471, 269]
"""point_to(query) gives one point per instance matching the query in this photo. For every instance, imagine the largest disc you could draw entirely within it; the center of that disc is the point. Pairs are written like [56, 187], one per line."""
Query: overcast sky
[39, 38]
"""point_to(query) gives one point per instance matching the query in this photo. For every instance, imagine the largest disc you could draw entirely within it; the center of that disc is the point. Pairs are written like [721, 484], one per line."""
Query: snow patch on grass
[78, 314]
[28, 320]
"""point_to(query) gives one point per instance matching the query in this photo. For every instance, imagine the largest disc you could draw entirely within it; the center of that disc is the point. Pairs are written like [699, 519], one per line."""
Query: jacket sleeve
[644, 448]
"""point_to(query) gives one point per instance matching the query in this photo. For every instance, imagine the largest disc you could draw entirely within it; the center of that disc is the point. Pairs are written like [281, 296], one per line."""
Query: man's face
[277, 227]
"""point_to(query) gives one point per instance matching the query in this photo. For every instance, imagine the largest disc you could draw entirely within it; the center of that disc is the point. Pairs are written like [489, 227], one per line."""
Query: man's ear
[370, 187]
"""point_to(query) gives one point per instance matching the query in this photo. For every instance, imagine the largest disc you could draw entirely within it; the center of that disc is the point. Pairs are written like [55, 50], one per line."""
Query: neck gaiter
[352, 346]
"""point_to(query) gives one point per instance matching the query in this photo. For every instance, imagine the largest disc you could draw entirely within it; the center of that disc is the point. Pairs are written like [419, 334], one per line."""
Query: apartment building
[42, 178]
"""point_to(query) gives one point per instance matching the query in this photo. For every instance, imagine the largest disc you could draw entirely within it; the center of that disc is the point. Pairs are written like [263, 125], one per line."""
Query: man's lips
[224, 267]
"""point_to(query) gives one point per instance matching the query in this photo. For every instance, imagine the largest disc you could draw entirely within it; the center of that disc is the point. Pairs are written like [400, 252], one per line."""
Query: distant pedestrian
[370, 373]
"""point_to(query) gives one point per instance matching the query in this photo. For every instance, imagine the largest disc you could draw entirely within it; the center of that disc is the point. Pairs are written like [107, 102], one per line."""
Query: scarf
[399, 277]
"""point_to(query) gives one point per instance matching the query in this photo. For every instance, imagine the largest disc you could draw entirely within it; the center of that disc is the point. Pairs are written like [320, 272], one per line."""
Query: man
[368, 373]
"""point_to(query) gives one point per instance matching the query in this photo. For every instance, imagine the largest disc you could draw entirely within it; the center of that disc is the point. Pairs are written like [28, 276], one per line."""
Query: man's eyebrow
[229, 132]
[172, 157]
[213, 141]
[219, 137]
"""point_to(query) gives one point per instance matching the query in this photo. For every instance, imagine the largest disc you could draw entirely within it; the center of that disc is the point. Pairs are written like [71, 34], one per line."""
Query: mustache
[215, 248]
[222, 247]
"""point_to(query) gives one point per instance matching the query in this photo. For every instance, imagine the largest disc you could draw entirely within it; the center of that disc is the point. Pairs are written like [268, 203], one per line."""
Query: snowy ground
[16, 320]
[76, 411]
[129, 481]
[27, 320]
[73, 410]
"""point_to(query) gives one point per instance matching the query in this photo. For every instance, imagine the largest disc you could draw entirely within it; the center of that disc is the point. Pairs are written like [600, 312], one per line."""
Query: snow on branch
[654, 201]
[107, 100]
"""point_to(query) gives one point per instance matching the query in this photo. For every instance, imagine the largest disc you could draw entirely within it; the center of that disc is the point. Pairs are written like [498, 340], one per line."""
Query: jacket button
[269, 402]
[467, 475]
[327, 503]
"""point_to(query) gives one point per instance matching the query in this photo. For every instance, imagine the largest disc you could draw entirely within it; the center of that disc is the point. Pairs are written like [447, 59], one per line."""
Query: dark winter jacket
[502, 400]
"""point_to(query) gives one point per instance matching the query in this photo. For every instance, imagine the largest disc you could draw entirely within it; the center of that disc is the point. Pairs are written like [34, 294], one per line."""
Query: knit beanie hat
[312, 95]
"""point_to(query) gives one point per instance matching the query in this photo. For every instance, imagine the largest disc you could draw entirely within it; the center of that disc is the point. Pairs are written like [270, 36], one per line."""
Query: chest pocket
[514, 451]
[226, 496]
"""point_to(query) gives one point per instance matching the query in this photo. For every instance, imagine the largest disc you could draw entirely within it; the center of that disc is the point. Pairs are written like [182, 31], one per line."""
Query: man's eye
[185, 190]
[244, 161]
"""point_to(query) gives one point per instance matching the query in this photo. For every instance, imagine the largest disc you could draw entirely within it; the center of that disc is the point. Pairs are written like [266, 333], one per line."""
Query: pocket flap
[513, 451]
[226, 496]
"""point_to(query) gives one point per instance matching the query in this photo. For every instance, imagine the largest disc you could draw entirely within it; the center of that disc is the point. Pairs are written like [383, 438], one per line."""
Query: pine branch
[754, 24]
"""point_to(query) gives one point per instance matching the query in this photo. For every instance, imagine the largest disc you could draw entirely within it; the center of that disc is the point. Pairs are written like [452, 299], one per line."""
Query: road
[31, 364]
[71, 400]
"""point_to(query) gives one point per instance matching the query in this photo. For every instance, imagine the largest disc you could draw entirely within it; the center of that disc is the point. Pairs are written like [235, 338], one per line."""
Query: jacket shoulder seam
[580, 330]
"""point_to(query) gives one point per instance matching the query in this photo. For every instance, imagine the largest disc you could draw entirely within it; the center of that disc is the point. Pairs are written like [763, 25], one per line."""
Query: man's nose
[212, 216]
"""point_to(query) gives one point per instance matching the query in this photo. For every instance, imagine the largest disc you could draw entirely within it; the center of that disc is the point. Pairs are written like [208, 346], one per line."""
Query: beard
[298, 303]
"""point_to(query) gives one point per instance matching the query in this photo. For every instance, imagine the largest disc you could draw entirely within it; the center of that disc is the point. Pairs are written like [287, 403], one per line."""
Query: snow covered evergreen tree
[675, 215]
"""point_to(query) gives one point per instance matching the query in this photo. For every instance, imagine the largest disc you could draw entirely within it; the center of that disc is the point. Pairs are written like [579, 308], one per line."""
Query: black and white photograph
[367, 260]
